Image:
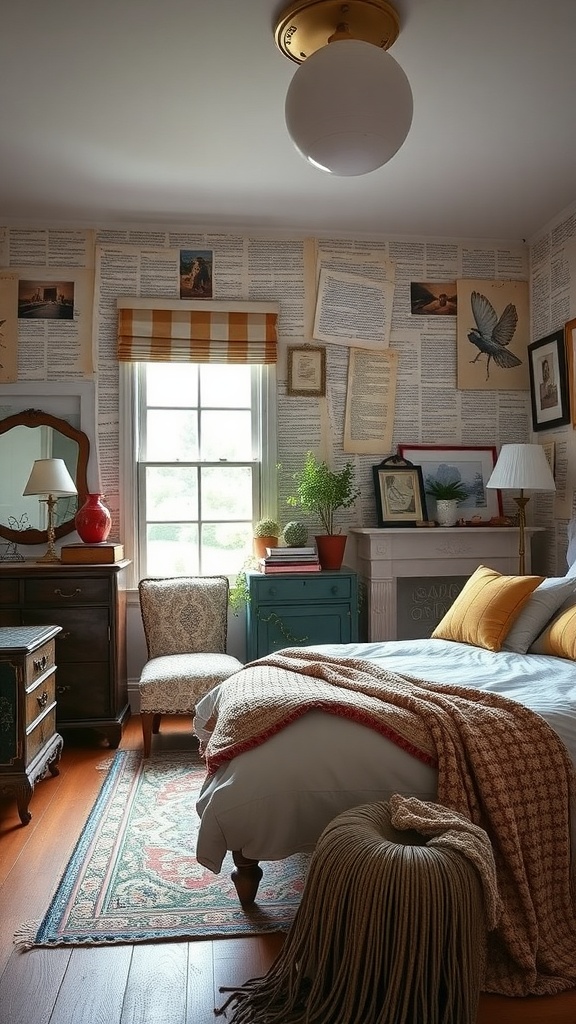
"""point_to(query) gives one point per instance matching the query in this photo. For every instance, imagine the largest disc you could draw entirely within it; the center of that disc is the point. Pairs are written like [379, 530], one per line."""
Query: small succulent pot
[295, 534]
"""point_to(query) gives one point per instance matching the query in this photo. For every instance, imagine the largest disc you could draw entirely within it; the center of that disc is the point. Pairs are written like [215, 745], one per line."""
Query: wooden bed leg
[246, 877]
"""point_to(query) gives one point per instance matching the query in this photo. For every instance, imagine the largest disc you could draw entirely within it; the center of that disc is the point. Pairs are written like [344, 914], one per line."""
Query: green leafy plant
[322, 491]
[266, 528]
[446, 490]
[238, 594]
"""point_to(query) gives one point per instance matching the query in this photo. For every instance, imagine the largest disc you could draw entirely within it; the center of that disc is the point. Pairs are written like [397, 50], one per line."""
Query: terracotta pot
[261, 543]
[330, 549]
[93, 520]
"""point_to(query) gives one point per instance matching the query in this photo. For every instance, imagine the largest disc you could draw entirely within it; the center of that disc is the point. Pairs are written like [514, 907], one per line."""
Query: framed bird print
[493, 331]
[549, 382]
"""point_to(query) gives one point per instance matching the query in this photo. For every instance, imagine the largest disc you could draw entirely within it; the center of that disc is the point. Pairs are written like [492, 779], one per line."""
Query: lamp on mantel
[522, 467]
[349, 105]
[51, 478]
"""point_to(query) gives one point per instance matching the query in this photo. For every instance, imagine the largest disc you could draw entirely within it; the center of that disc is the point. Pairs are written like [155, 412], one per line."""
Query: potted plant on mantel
[321, 491]
[447, 494]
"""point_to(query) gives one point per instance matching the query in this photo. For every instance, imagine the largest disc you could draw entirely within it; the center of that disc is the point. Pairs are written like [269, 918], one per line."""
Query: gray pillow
[537, 611]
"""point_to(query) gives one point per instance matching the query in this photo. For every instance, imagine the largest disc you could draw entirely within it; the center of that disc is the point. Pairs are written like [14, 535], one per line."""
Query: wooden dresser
[89, 603]
[29, 743]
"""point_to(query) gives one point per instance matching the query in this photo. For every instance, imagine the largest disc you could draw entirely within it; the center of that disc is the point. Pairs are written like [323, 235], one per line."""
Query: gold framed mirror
[25, 437]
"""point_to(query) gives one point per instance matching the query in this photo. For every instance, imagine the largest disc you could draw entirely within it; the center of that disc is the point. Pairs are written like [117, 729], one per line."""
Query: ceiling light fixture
[349, 106]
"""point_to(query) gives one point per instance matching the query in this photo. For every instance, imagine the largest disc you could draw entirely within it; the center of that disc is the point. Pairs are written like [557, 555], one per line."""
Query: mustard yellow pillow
[486, 608]
[559, 637]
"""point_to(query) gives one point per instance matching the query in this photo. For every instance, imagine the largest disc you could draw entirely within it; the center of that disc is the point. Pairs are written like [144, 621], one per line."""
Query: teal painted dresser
[298, 609]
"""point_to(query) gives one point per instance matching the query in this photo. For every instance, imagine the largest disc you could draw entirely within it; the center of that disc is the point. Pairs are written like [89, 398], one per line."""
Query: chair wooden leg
[156, 723]
[147, 724]
[246, 876]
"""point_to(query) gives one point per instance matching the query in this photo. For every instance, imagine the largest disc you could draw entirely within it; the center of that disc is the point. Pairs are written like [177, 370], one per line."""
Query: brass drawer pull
[60, 593]
[43, 699]
[40, 663]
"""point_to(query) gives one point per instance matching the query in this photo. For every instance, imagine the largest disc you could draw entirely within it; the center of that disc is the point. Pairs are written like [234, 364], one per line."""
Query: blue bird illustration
[491, 335]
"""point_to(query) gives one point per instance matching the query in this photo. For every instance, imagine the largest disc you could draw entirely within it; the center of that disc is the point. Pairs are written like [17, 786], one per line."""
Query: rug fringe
[25, 935]
[104, 766]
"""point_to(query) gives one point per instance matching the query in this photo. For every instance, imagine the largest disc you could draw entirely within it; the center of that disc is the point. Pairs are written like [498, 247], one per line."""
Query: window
[205, 464]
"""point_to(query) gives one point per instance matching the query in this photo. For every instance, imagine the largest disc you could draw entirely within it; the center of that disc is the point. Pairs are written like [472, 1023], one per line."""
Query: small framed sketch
[307, 371]
[549, 382]
[399, 492]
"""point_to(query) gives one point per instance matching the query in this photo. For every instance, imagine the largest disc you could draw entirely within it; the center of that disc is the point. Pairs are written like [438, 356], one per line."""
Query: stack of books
[290, 560]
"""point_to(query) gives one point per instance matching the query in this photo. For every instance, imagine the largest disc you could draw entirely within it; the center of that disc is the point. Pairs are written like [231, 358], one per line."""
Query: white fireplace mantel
[386, 560]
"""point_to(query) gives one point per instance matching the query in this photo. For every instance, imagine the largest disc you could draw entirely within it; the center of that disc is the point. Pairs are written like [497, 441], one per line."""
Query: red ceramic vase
[93, 520]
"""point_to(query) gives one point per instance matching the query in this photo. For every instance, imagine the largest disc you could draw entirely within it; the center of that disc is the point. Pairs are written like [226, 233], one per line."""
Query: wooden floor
[167, 983]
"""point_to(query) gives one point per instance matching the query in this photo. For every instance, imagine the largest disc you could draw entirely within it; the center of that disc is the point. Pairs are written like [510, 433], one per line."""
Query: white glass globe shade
[349, 107]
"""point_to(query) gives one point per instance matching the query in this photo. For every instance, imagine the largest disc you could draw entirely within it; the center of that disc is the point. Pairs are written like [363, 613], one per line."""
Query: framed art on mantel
[470, 465]
[548, 382]
[399, 492]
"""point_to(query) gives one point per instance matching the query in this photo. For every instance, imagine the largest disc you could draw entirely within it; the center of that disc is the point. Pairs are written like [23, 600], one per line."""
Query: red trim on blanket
[214, 762]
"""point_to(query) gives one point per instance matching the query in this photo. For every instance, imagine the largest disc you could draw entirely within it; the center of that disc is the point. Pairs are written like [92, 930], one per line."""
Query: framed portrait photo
[306, 371]
[570, 348]
[469, 465]
[399, 492]
[549, 382]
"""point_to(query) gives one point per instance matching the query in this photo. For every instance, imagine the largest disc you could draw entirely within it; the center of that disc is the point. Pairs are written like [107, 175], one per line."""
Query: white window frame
[130, 411]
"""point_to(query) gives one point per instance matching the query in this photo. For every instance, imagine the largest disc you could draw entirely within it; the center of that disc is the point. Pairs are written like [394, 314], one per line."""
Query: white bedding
[275, 800]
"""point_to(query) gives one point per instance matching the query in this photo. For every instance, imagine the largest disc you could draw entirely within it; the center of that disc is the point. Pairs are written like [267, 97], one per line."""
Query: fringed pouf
[390, 930]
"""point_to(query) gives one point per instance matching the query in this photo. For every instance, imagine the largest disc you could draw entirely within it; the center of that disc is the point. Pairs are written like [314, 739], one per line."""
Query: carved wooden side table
[29, 743]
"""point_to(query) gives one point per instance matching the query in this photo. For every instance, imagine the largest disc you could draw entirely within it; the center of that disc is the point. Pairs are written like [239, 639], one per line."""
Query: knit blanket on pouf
[428, 876]
[499, 764]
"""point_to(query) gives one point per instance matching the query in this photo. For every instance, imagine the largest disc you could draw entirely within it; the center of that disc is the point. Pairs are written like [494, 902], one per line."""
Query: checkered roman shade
[152, 330]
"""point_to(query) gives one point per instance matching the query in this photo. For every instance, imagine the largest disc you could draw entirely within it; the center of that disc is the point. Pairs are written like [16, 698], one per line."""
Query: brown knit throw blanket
[391, 926]
[499, 764]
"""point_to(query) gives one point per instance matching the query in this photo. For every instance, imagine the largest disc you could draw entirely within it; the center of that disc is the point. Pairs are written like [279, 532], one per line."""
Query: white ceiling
[172, 112]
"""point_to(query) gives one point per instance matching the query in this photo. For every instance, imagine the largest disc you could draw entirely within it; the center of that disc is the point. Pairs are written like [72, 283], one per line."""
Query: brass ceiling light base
[307, 25]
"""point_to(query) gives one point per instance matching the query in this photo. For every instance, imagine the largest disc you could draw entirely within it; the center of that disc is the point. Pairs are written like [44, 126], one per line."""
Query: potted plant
[321, 491]
[447, 492]
[266, 533]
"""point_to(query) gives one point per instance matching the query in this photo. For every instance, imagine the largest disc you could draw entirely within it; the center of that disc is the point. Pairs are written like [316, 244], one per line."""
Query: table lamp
[51, 478]
[521, 467]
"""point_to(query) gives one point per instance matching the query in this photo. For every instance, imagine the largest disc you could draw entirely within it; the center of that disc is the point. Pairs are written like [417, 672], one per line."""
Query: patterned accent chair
[185, 621]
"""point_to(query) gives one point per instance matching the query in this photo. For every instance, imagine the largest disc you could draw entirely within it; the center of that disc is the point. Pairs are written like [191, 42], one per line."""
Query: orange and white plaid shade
[197, 336]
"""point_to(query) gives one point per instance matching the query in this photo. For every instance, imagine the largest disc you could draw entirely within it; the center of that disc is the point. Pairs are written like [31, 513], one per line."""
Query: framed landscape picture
[470, 465]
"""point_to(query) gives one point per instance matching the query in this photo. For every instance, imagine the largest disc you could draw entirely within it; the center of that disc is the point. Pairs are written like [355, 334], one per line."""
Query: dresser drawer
[39, 696]
[9, 592]
[40, 733]
[64, 591]
[85, 632]
[319, 588]
[83, 691]
[39, 662]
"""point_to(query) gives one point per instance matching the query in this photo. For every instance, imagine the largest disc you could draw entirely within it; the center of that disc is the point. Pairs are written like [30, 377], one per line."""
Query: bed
[504, 657]
[275, 799]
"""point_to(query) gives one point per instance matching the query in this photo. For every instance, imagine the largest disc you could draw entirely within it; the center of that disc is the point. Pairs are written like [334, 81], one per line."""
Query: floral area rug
[133, 876]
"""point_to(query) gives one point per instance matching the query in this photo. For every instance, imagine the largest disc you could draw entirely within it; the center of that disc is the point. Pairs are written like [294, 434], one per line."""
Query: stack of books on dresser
[290, 560]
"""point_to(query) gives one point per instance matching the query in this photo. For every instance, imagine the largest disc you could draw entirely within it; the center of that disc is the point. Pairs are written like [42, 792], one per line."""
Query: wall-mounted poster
[433, 298]
[196, 273]
[493, 331]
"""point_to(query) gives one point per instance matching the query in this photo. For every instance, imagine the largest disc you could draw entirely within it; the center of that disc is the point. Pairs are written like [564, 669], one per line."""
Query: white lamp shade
[522, 467]
[349, 107]
[50, 476]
